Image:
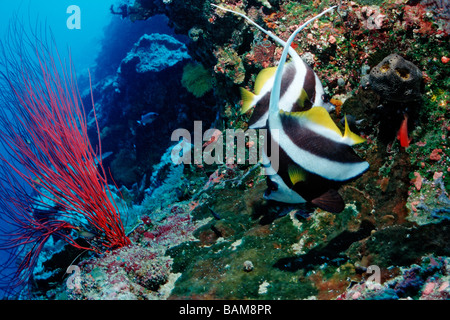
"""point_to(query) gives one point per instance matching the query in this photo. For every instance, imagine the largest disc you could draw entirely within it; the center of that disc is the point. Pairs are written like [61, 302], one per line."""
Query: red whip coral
[52, 181]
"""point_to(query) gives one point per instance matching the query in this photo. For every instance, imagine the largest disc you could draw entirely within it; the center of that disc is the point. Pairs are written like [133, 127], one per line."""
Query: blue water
[84, 42]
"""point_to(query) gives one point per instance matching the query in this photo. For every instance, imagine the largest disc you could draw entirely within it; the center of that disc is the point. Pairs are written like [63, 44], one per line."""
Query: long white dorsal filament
[275, 95]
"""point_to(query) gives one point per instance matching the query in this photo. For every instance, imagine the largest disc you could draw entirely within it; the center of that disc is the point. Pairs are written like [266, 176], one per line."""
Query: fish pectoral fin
[296, 174]
[352, 137]
[247, 100]
[330, 201]
[302, 99]
[262, 78]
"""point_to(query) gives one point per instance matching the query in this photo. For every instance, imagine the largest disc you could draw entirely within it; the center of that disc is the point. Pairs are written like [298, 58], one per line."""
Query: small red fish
[402, 134]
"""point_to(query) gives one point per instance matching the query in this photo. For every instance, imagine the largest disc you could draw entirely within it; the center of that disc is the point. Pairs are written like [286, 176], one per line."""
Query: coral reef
[147, 80]
[153, 53]
[202, 231]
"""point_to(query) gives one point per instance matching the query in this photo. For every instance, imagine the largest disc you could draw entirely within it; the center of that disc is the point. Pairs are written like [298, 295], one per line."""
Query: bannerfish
[314, 157]
[301, 88]
[317, 160]
[148, 118]
[402, 134]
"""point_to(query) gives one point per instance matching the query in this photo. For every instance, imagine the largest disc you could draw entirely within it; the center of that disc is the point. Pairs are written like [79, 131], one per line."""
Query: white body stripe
[323, 167]
[318, 101]
[284, 193]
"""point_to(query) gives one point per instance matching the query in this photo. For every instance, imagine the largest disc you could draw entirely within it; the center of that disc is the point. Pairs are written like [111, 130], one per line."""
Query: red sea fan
[52, 181]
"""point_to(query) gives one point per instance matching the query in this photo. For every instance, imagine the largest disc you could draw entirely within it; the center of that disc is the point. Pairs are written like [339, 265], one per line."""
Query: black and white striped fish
[314, 159]
[301, 89]
[307, 157]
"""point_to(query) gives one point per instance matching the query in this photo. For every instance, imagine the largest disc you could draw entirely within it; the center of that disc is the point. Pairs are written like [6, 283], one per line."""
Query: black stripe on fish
[310, 83]
[262, 107]
[317, 144]
[315, 189]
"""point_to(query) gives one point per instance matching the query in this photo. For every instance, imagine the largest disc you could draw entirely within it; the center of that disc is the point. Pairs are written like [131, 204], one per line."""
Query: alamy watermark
[375, 272]
[74, 20]
[74, 280]
[234, 146]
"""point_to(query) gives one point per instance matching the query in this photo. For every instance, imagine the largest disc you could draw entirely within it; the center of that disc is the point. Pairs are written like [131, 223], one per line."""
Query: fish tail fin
[247, 100]
[353, 137]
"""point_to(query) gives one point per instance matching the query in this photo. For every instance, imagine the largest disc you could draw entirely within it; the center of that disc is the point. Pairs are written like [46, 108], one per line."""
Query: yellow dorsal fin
[262, 78]
[247, 100]
[318, 116]
[350, 135]
[296, 174]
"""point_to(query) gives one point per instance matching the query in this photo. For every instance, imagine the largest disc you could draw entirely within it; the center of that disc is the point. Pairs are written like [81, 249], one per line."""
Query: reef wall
[218, 238]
